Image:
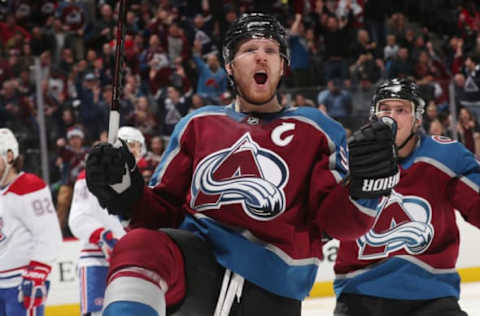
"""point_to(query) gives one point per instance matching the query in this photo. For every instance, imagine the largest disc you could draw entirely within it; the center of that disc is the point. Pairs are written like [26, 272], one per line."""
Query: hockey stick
[114, 120]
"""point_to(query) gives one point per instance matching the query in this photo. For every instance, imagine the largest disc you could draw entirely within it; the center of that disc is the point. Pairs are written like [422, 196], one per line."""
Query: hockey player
[252, 188]
[99, 232]
[405, 265]
[29, 234]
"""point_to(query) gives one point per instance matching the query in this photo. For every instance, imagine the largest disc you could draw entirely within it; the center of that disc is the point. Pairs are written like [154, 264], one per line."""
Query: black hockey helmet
[254, 25]
[403, 89]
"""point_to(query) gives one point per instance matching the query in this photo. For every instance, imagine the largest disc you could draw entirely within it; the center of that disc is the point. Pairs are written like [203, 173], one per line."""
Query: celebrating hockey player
[29, 234]
[405, 265]
[250, 189]
[99, 232]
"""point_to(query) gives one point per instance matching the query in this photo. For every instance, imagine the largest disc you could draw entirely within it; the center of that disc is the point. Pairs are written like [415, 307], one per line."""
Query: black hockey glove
[373, 159]
[113, 177]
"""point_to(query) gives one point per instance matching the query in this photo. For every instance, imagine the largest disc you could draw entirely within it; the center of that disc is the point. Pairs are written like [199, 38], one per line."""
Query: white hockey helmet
[8, 141]
[132, 134]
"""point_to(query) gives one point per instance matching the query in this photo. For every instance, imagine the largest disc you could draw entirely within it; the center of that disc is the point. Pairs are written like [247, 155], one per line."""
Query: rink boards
[63, 299]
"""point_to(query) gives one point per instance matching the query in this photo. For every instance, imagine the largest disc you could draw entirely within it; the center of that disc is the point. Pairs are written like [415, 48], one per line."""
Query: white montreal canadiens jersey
[29, 228]
[86, 216]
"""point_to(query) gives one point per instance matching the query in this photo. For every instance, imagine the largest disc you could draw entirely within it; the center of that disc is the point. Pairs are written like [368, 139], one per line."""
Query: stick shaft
[114, 120]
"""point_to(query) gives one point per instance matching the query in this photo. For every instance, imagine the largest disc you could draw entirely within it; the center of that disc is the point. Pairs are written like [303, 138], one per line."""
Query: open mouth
[260, 77]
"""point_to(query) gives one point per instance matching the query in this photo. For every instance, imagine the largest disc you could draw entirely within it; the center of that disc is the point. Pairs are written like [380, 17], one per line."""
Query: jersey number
[42, 206]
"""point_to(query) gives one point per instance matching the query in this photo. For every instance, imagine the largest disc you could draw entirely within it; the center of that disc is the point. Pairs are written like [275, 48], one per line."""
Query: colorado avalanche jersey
[29, 228]
[86, 216]
[411, 251]
[261, 188]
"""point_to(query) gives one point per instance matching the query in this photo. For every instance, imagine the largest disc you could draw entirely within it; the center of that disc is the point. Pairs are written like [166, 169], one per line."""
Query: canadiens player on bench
[29, 234]
[405, 265]
[250, 188]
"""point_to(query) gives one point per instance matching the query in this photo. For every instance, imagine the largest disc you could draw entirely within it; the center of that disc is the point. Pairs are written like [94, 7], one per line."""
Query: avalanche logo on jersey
[403, 222]
[245, 173]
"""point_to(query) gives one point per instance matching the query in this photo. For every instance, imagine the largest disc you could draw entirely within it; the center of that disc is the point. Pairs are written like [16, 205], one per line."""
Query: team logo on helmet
[403, 223]
[244, 174]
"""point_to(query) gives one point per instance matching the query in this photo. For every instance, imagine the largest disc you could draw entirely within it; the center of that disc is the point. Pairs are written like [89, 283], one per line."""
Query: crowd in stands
[172, 65]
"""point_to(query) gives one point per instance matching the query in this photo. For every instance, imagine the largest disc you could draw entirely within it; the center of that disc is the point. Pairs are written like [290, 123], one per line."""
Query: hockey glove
[34, 287]
[373, 159]
[105, 240]
[113, 177]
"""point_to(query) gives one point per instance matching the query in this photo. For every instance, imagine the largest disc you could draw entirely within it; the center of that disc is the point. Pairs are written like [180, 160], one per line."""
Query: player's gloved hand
[113, 177]
[34, 287]
[105, 240]
[373, 159]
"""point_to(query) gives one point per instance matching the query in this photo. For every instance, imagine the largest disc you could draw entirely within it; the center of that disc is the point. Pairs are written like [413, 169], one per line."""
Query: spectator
[73, 15]
[366, 70]
[171, 108]
[226, 98]
[430, 115]
[70, 161]
[12, 34]
[391, 49]
[429, 74]
[436, 128]
[401, 66]
[467, 128]
[10, 97]
[202, 29]
[57, 32]
[335, 35]
[155, 62]
[197, 102]
[471, 87]
[67, 61]
[176, 43]
[300, 59]
[10, 67]
[300, 101]
[157, 147]
[337, 102]
[375, 13]
[92, 111]
[212, 78]
[143, 118]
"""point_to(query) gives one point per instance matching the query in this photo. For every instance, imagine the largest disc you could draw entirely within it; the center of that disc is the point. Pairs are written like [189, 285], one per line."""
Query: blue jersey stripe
[397, 278]
[254, 261]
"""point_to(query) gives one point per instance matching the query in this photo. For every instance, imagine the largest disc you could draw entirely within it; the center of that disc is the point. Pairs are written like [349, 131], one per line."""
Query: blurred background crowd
[172, 65]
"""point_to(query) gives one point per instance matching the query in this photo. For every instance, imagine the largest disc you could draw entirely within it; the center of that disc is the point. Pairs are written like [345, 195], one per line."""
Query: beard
[246, 92]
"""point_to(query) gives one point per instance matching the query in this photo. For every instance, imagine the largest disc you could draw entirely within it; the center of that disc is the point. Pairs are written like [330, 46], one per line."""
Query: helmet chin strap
[412, 133]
